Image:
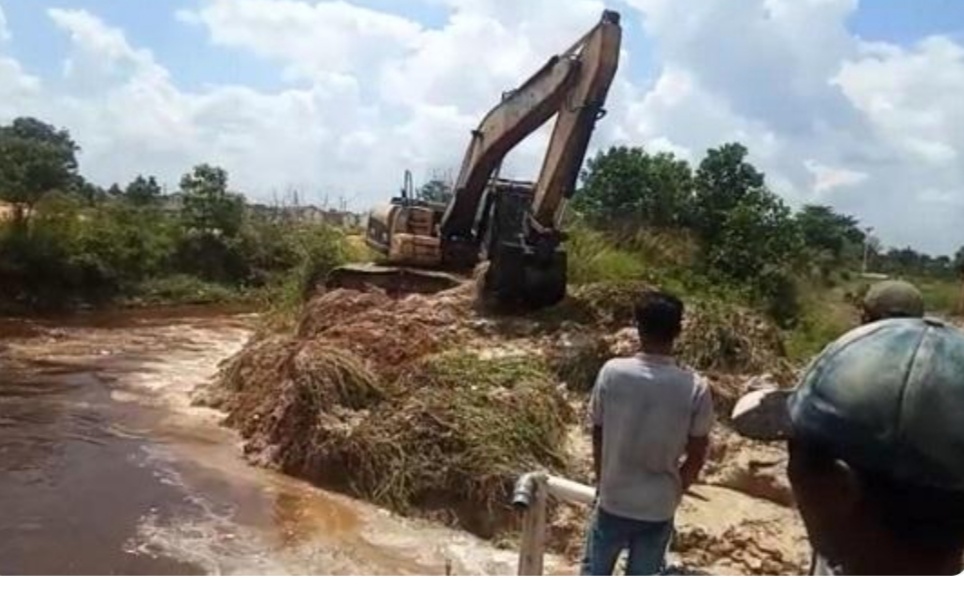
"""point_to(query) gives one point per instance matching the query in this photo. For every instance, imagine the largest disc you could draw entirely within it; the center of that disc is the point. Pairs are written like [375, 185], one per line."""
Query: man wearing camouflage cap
[875, 432]
[892, 299]
[888, 299]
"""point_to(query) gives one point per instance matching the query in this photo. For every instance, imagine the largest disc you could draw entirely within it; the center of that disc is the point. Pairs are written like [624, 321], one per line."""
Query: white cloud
[437, 83]
[309, 39]
[872, 128]
[18, 90]
[911, 97]
[827, 178]
[130, 118]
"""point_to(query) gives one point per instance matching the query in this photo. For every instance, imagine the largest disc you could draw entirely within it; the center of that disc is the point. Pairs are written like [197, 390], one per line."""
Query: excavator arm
[572, 85]
[527, 264]
[520, 113]
[598, 61]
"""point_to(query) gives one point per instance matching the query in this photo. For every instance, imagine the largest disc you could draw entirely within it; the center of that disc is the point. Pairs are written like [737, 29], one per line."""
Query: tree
[143, 192]
[831, 239]
[723, 181]
[758, 233]
[629, 187]
[436, 191]
[823, 229]
[35, 158]
[958, 263]
[208, 206]
[90, 194]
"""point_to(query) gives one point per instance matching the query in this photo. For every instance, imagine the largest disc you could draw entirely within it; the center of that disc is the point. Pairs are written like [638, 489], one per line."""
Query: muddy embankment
[427, 406]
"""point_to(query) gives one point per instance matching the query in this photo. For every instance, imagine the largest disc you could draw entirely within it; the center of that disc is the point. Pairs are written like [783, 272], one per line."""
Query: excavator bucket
[520, 273]
[520, 278]
[394, 281]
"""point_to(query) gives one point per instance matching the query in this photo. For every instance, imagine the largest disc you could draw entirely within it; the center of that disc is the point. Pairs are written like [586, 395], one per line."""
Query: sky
[857, 105]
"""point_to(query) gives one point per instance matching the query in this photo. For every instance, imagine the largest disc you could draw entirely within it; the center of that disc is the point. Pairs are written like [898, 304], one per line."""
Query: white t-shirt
[648, 407]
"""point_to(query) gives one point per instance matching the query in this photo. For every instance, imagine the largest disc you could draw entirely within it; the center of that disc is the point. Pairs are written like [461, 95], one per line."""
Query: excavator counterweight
[511, 227]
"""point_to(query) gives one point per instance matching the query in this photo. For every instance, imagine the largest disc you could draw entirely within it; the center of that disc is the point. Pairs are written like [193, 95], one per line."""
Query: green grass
[593, 258]
[940, 296]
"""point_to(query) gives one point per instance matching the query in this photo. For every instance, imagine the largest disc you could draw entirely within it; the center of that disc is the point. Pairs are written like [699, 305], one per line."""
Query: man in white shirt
[651, 421]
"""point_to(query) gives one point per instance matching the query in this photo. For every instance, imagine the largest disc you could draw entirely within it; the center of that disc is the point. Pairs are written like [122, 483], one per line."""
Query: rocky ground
[428, 406]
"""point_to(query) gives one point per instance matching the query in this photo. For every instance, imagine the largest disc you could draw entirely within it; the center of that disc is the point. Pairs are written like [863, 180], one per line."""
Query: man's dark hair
[928, 518]
[659, 316]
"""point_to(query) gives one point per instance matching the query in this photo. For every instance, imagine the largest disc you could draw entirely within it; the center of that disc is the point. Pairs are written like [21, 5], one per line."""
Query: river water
[107, 468]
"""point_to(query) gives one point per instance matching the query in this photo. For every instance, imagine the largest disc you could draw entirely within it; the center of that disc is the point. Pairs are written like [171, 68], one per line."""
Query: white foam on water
[206, 531]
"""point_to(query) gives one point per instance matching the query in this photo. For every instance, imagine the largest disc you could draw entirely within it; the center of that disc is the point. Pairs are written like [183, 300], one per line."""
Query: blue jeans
[608, 535]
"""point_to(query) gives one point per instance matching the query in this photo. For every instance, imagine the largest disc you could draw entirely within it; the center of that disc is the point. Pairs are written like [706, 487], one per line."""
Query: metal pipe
[525, 489]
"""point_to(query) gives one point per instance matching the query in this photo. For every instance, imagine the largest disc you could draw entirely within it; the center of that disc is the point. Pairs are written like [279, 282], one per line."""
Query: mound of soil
[387, 399]
[425, 405]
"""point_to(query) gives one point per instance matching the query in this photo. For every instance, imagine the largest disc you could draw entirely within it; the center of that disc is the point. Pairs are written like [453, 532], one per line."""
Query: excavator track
[394, 281]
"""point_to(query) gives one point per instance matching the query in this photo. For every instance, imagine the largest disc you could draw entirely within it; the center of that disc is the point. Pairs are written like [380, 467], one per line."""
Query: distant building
[310, 214]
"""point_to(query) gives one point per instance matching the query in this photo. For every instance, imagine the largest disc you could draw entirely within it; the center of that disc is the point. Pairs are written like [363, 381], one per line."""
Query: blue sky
[40, 45]
[856, 105]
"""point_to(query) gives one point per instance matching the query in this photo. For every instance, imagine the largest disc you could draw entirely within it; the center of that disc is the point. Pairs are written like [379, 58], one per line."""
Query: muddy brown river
[107, 468]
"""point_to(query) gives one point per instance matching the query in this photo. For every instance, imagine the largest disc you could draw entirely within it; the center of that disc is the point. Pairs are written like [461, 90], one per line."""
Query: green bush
[69, 254]
[184, 289]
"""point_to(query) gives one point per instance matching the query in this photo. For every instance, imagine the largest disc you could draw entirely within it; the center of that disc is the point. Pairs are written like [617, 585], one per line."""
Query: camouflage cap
[888, 398]
[893, 298]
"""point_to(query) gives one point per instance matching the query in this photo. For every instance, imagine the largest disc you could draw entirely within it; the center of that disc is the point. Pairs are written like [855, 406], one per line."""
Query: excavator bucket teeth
[394, 281]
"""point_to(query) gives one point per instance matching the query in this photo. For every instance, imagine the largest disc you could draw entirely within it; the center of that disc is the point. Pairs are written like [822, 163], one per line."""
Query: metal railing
[531, 495]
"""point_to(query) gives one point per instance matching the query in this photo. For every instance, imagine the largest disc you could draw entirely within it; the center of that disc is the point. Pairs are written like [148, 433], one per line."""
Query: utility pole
[867, 237]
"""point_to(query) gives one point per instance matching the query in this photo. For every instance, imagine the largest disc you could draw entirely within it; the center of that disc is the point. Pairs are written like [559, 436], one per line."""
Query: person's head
[892, 299]
[659, 319]
[876, 441]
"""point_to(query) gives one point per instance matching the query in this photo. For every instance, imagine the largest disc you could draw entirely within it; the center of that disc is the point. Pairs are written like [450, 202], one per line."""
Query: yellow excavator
[512, 227]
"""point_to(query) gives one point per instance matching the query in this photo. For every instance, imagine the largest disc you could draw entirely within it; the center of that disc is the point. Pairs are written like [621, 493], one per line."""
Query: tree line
[746, 234]
[66, 242]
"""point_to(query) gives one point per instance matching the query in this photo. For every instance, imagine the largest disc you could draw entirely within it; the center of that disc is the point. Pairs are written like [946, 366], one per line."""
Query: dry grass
[329, 377]
[459, 440]
[719, 337]
[450, 435]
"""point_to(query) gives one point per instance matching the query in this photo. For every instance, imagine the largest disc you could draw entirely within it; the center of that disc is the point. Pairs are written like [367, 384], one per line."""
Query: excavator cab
[406, 231]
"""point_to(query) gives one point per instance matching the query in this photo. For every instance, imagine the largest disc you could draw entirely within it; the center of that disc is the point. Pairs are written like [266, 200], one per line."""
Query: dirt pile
[720, 340]
[387, 399]
[424, 405]
[389, 334]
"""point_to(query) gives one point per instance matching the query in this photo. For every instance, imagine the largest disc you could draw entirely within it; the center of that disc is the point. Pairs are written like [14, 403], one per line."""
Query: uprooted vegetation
[426, 406]
[369, 397]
